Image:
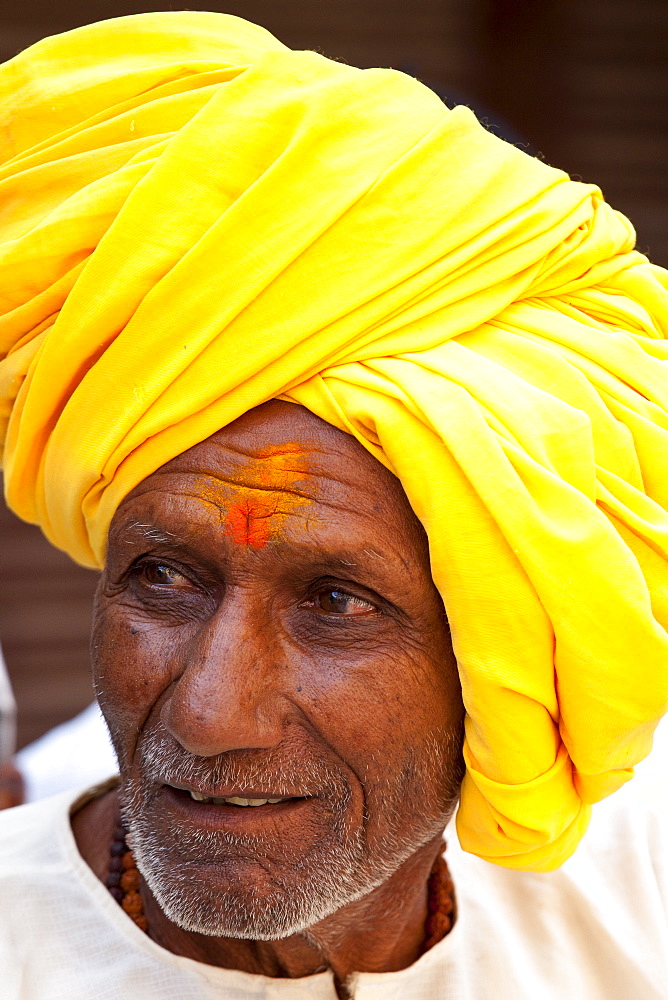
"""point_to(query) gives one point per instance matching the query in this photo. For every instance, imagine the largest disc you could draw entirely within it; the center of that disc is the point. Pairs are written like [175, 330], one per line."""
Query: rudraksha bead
[132, 904]
[440, 905]
[129, 880]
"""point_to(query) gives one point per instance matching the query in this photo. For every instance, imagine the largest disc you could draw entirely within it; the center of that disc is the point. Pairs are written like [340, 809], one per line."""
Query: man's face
[274, 664]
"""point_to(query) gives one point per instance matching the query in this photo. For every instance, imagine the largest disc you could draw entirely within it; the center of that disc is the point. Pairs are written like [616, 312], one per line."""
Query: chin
[265, 881]
[234, 890]
[236, 885]
[242, 914]
[239, 898]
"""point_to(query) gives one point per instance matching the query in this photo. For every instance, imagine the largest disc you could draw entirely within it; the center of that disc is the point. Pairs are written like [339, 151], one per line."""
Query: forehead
[278, 462]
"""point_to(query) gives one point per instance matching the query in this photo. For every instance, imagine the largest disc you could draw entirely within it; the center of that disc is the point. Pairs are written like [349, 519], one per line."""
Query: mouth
[236, 800]
[255, 812]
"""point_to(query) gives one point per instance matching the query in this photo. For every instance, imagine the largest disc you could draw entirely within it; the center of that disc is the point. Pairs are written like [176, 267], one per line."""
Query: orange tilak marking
[248, 524]
[256, 516]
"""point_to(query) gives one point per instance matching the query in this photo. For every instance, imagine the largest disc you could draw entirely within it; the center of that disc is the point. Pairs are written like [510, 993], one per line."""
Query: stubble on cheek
[411, 805]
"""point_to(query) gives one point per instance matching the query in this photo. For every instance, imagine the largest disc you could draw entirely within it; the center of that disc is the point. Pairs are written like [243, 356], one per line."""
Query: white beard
[333, 873]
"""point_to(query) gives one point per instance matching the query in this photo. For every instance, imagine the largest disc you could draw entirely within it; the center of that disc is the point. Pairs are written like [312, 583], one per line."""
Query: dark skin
[11, 786]
[267, 603]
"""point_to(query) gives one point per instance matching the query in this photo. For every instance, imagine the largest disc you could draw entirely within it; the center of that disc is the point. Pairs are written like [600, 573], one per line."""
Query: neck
[382, 932]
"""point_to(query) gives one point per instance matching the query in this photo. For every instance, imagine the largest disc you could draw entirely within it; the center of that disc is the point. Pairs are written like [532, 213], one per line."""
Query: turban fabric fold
[195, 219]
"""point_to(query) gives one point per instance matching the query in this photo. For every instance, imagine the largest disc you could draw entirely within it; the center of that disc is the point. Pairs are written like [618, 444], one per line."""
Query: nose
[228, 697]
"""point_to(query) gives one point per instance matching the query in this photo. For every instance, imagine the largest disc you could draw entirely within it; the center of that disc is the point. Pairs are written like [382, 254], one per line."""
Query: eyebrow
[157, 534]
[349, 558]
[152, 533]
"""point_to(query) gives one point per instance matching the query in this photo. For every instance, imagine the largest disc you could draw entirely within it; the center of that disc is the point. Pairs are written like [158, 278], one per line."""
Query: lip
[221, 818]
[243, 793]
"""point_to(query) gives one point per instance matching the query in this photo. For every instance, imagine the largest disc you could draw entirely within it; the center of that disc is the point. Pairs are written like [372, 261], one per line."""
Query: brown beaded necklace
[123, 881]
[123, 878]
[441, 909]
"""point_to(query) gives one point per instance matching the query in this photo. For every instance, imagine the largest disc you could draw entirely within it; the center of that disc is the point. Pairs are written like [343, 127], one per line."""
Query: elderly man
[363, 415]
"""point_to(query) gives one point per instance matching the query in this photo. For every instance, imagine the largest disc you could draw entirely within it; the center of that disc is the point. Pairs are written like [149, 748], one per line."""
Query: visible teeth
[234, 800]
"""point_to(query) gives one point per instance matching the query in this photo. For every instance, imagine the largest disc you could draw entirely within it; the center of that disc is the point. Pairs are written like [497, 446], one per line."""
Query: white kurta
[595, 930]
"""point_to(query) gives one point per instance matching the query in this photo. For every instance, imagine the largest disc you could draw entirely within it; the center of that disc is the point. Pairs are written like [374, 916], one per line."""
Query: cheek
[396, 722]
[133, 663]
[375, 713]
[414, 771]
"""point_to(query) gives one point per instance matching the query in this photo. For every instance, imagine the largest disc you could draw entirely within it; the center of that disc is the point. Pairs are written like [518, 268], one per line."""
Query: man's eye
[162, 575]
[338, 602]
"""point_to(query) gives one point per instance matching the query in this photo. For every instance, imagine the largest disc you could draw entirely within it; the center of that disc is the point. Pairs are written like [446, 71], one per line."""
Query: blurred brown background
[583, 82]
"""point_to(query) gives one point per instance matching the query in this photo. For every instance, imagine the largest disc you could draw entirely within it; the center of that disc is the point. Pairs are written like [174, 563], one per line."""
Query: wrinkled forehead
[281, 448]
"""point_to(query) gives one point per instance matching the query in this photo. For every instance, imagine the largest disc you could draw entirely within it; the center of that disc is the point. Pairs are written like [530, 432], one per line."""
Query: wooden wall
[583, 82]
[45, 603]
[586, 81]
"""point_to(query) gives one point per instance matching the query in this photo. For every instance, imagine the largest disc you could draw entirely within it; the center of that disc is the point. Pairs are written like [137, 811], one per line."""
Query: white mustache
[163, 761]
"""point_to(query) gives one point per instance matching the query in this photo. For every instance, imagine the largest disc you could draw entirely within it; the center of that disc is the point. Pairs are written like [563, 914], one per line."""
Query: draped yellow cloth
[195, 219]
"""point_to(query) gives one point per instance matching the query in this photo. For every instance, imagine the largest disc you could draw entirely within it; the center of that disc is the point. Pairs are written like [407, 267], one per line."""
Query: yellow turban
[195, 219]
